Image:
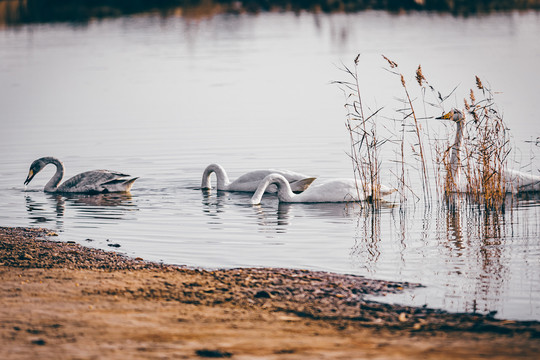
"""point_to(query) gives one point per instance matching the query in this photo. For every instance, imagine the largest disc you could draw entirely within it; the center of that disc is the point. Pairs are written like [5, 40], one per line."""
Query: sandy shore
[64, 301]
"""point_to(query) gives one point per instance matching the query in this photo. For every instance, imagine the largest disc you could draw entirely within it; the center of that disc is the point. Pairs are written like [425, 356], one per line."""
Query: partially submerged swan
[89, 182]
[519, 181]
[249, 181]
[335, 190]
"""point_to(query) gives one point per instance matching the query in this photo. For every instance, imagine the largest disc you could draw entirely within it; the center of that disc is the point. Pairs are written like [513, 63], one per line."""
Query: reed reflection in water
[475, 250]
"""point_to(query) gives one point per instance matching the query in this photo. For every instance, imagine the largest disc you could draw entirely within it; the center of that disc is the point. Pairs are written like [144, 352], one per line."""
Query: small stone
[263, 294]
[213, 353]
[402, 317]
[39, 342]
[27, 257]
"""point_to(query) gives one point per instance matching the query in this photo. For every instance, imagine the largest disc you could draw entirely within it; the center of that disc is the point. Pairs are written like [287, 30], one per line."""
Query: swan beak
[29, 177]
[446, 116]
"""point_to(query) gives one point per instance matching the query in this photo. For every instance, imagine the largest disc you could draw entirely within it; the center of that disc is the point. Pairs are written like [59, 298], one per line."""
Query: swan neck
[284, 192]
[454, 155]
[221, 176]
[52, 185]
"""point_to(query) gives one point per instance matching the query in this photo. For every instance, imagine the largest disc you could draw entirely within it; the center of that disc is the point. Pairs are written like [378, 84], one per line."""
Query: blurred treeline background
[13, 12]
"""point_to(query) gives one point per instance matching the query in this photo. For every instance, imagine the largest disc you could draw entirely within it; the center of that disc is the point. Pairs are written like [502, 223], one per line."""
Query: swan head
[455, 115]
[36, 167]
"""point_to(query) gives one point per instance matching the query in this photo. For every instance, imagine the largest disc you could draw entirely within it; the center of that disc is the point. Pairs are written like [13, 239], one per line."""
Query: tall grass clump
[364, 141]
[472, 162]
[471, 158]
[465, 163]
[486, 148]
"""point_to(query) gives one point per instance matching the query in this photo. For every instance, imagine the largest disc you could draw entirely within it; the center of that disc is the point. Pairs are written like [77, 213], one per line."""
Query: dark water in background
[162, 97]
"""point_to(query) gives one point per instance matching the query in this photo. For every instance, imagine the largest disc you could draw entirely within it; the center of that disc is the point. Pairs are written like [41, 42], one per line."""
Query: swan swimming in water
[249, 181]
[515, 181]
[335, 190]
[89, 182]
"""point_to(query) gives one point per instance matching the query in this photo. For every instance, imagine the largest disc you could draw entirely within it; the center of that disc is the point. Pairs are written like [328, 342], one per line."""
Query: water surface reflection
[13, 12]
[97, 208]
[476, 252]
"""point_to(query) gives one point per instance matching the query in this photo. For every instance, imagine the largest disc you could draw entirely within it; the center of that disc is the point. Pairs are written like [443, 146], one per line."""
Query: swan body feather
[89, 182]
[249, 182]
[333, 190]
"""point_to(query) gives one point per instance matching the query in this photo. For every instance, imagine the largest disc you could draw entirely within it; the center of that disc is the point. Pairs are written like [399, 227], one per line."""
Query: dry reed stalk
[364, 142]
[487, 148]
[408, 113]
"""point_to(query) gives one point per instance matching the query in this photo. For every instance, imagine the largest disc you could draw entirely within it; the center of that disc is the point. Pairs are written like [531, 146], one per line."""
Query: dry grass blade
[364, 143]
[410, 112]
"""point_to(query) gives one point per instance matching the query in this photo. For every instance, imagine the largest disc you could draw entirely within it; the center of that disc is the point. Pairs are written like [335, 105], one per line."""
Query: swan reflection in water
[213, 203]
[277, 216]
[274, 216]
[44, 208]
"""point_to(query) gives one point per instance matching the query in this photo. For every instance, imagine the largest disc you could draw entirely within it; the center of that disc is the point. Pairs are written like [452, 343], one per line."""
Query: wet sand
[64, 301]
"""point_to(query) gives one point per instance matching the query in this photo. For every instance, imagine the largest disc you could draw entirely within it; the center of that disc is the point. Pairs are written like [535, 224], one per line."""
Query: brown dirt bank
[63, 301]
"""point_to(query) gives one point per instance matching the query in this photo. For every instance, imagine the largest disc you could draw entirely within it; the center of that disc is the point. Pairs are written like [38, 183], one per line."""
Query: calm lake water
[161, 98]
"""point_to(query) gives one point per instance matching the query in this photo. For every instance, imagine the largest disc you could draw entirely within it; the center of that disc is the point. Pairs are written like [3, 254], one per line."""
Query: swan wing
[291, 176]
[258, 175]
[336, 190]
[97, 181]
[249, 182]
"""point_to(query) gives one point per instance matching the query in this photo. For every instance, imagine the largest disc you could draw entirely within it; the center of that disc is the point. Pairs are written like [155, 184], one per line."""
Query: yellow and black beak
[447, 116]
[29, 177]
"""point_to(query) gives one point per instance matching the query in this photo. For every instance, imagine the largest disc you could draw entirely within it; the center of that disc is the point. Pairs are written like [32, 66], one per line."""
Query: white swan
[89, 182]
[455, 160]
[249, 181]
[515, 181]
[519, 181]
[334, 190]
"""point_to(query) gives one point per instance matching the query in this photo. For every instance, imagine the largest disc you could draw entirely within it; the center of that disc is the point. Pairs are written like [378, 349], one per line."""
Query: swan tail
[301, 185]
[119, 185]
[129, 183]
